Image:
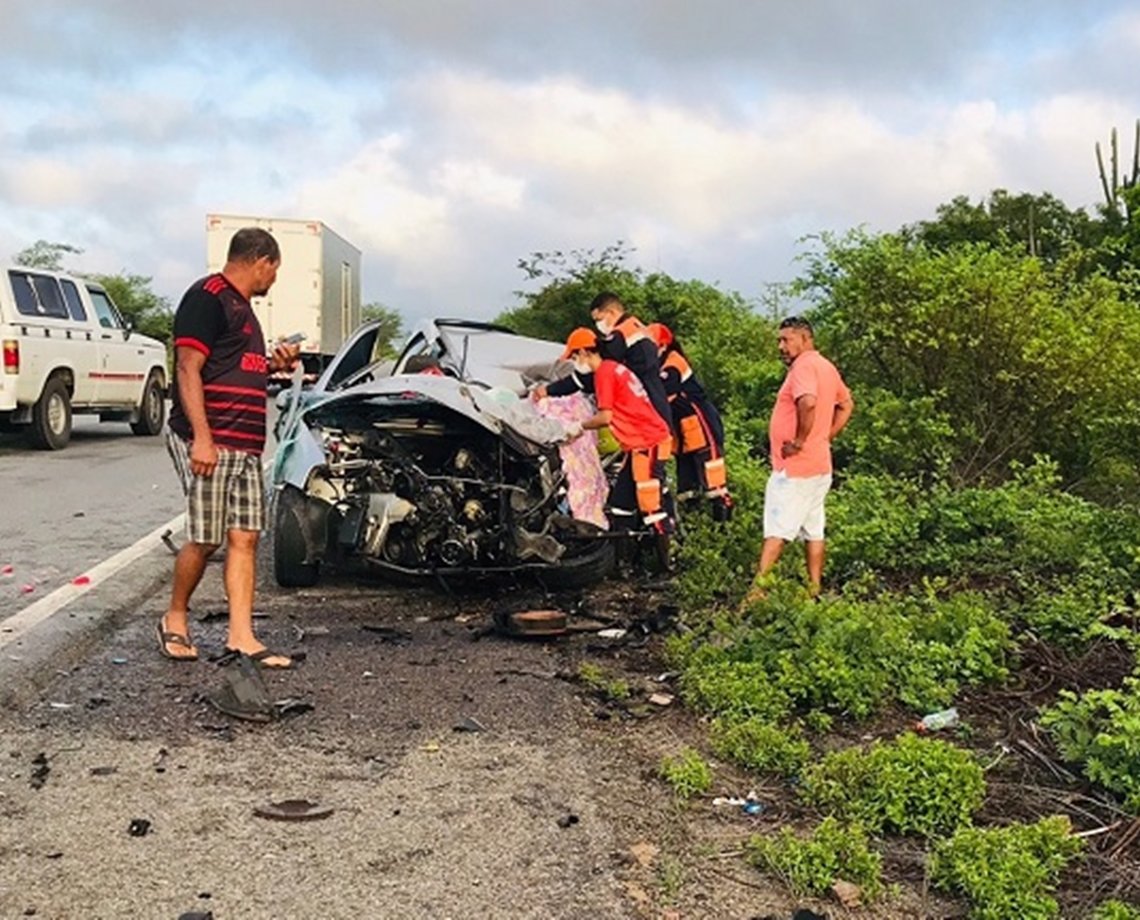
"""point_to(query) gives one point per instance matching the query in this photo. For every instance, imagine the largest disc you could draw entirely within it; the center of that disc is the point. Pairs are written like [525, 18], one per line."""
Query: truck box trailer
[317, 292]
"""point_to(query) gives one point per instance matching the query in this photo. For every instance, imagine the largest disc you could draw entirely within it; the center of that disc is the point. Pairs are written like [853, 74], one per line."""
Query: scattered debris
[55, 705]
[139, 827]
[750, 804]
[118, 661]
[7, 570]
[160, 761]
[936, 721]
[388, 633]
[104, 771]
[568, 820]
[539, 623]
[468, 724]
[95, 702]
[661, 699]
[243, 695]
[848, 893]
[54, 854]
[614, 632]
[292, 706]
[197, 915]
[27, 588]
[430, 747]
[166, 539]
[40, 770]
[81, 581]
[293, 810]
[367, 675]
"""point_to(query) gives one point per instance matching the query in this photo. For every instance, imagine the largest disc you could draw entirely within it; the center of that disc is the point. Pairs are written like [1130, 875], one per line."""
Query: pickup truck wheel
[51, 417]
[290, 549]
[152, 409]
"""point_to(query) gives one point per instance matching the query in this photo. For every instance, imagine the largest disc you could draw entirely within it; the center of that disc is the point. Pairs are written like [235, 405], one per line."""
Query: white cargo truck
[317, 293]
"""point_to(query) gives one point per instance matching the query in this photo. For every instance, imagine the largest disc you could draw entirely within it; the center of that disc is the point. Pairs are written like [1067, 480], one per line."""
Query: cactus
[1113, 193]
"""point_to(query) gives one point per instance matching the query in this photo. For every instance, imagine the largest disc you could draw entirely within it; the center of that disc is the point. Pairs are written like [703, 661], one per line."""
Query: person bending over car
[638, 496]
[216, 435]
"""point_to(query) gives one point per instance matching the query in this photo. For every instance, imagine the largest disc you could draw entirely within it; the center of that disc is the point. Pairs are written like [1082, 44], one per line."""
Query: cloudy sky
[447, 140]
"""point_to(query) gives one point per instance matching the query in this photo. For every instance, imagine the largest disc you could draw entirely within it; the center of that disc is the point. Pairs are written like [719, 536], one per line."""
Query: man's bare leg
[189, 566]
[769, 556]
[240, 579]
[815, 550]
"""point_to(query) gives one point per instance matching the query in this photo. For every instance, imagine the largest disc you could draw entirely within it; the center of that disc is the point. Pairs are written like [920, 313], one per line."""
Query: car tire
[291, 567]
[581, 569]
[51, 416]
[152, 409]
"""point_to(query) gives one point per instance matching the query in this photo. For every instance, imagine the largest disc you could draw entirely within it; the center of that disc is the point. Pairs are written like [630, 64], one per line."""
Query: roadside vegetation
[984, 551]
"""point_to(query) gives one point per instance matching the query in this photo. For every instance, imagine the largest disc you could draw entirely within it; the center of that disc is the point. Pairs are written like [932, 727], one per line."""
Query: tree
[147, 312]
[45, 255]
[977, 358]
[391, 331]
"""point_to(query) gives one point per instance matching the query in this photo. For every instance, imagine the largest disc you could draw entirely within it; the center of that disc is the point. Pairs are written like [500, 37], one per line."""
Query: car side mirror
[128, 328]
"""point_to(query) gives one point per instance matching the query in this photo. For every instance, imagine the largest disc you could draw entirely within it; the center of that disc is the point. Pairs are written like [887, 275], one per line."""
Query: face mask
[581, 367]
[604, 327]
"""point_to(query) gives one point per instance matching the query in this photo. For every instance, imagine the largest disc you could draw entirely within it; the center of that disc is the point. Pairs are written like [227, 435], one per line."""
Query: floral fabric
[587, 488]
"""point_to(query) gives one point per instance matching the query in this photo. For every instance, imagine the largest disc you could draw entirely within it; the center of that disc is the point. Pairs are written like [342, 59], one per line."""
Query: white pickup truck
[66, 348]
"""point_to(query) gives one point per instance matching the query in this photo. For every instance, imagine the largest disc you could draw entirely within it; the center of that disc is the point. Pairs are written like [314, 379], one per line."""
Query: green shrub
[600, 682]
[687, 773]
[1006, 872]
[912, 785]
[1116, 910]
[811, 865]
[761, 745]
[844, 655]
[1100, 730]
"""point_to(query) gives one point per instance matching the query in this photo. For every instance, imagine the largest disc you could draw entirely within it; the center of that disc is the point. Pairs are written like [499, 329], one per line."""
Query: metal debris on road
[468, 724]
[40, 770]
[61, 705]
[139, 827]
[293, 810]
[292, 706]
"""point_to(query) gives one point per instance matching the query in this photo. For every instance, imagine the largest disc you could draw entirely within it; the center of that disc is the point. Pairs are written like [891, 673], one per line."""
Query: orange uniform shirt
[635, 423]
[811, 374]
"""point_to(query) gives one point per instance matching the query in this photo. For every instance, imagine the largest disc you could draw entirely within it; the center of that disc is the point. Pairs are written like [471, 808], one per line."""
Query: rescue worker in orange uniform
[699, 431]
[639, 496]
[621, 338]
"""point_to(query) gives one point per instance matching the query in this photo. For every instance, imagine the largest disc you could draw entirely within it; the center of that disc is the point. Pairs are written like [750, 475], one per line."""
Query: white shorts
[793, 507]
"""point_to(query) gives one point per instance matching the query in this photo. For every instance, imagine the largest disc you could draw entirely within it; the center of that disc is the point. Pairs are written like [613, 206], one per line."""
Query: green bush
[912, 785]
[1006, 872]
[687, 773]
[761, 745]
[1116, 910]
[811, 865]
[1100, 730]
[843, 655]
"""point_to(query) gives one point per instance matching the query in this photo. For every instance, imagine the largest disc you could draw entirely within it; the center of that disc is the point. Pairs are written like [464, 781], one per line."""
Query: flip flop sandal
[166, 638]
[261, 658]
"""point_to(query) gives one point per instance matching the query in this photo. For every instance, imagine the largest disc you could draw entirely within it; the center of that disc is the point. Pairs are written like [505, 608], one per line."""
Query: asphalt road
[65, 511]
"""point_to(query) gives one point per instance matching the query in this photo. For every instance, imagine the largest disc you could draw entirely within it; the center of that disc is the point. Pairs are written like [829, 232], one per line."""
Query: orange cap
[580, 338]
[660, 334]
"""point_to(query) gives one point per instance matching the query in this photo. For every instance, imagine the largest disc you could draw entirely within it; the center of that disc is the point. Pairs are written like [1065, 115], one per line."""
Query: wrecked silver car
[442, 474]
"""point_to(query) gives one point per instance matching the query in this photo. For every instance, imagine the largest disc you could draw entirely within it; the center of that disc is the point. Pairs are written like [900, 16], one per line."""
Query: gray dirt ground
[429, 822]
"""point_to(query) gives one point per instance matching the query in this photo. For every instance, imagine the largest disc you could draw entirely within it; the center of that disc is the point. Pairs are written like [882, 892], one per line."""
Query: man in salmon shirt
[638, 496]
[812, 407]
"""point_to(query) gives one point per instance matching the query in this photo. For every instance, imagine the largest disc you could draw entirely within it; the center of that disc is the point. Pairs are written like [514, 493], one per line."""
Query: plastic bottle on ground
[937, 721]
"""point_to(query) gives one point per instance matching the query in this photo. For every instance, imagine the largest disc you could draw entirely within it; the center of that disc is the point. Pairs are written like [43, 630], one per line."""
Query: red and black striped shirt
[219, 322]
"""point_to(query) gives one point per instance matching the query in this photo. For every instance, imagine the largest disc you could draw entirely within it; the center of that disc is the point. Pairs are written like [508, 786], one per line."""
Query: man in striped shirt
[216, 436]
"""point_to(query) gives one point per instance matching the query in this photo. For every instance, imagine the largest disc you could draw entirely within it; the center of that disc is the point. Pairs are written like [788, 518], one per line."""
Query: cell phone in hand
[295, 339]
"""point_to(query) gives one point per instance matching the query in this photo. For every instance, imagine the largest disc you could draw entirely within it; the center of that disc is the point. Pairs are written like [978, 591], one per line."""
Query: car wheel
[582, 565]
[152, 409]
[51, 416]
[291, 567]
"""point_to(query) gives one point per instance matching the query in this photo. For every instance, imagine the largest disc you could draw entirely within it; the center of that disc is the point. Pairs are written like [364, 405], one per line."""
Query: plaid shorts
[233, 498]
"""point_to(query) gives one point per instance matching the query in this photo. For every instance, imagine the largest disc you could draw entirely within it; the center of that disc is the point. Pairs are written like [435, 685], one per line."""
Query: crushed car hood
[498, 410]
